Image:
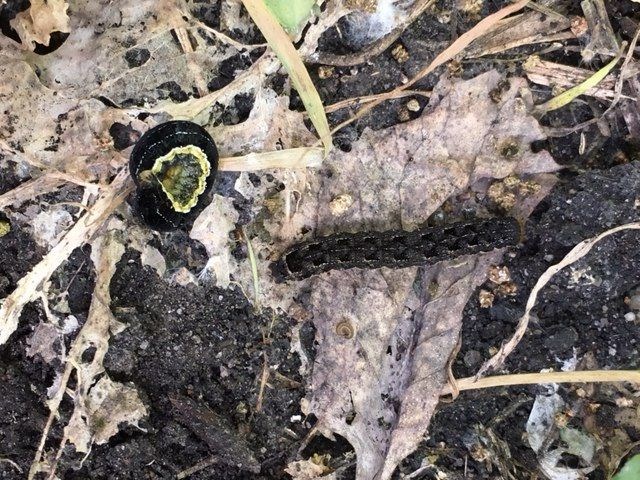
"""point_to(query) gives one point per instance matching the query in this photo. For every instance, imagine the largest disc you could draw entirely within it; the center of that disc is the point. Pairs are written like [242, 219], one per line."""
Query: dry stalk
[573, 256]
[593, 376]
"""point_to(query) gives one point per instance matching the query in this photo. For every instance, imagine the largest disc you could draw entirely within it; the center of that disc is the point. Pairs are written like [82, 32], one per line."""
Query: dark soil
[197, 354]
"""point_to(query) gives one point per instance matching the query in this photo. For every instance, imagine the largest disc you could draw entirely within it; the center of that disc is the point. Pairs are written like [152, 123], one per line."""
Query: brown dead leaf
[40, 20]
[378, 385]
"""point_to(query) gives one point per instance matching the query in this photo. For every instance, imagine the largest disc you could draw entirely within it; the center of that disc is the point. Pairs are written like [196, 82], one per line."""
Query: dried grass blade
[302, 157]
[279, 41]
[578, 376]
[573, 256]
[569, 95]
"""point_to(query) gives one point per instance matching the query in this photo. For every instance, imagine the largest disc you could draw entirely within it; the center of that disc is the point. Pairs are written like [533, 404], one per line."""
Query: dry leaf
[384, 336]
[43, 17]
[84, 229]
[151, 257]
[97, 415]
[99, 407]
[212, 229]
[43, 342]
[77, 431]
[270, 126]
[110, 403]
[379, 388]
[50, 225]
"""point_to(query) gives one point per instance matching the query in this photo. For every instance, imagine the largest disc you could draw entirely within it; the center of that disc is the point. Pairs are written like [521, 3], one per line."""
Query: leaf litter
[378, 385]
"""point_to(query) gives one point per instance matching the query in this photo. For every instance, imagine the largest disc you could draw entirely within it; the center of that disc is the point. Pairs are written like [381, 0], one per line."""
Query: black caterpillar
[396, 248]
[173, 166]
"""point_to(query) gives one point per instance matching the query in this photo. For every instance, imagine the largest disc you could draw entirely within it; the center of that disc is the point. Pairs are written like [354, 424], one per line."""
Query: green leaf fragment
[631, 469]
[291, 14]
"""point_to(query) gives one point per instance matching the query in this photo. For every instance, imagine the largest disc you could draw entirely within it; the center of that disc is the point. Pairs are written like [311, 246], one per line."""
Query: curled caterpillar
[173, 166]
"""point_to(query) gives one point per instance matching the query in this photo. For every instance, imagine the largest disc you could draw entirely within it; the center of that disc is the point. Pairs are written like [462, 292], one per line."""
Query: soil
[197, 354]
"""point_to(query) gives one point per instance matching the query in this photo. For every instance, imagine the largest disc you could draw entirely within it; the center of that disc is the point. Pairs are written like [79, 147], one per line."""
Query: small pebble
[630, 316]
[399, 53]
[634, 302]
[5, 227]
[413, 105]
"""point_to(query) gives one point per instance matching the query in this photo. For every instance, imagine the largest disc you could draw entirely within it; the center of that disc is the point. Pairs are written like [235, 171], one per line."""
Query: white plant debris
[50, 225]
[46, 341]
[151, 257]
[212, 228]
[543, 433]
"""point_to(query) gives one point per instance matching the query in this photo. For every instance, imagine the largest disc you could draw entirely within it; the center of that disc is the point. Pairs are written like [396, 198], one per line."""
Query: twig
[573, 256]
[571, 94]
[593, 376]
[357, 101]
[197, 467]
